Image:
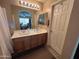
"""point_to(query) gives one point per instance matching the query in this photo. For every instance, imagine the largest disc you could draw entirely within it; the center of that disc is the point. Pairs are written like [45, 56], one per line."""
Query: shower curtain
[5, 38]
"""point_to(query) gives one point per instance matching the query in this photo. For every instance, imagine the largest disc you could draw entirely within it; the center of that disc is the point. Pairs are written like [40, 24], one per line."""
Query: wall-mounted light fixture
[29, 5]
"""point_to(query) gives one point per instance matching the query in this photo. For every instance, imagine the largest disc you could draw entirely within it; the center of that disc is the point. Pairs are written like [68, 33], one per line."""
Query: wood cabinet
[34, 41]
[18, 44]
[21, 44]
[43, 38]
[28, 42]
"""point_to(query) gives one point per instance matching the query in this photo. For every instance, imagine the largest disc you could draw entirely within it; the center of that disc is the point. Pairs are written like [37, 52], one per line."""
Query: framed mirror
[25, 20]
[43, 19]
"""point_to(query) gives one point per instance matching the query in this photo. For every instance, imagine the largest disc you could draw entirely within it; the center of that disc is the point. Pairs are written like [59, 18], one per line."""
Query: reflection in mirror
[25, 19]
[43, 19]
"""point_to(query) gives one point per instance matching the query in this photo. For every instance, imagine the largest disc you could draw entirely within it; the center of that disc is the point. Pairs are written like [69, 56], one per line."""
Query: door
[58, 26]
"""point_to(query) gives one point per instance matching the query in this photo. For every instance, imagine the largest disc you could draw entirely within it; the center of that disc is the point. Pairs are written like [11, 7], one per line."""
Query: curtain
[5, 38]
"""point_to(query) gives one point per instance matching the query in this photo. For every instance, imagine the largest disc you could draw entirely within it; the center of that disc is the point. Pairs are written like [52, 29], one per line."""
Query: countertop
[28, 32]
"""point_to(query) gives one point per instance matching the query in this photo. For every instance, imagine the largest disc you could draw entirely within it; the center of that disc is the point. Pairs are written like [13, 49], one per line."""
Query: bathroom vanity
[27, 39]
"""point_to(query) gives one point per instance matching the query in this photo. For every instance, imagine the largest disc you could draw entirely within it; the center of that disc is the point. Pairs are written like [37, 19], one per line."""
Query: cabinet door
[18, 44]
[34, 41]
[39, 40]
[44, 38]
[27, 42]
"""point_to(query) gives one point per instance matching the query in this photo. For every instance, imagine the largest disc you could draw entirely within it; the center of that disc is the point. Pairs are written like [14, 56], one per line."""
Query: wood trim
[58, 1]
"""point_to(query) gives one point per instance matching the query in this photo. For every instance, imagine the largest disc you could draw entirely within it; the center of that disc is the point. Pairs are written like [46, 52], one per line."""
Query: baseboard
[53, 52]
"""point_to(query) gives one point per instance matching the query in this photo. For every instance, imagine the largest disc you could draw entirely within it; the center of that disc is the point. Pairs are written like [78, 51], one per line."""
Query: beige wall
[9, 11]
[72, 32]
[15, 11]
[47, 5]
